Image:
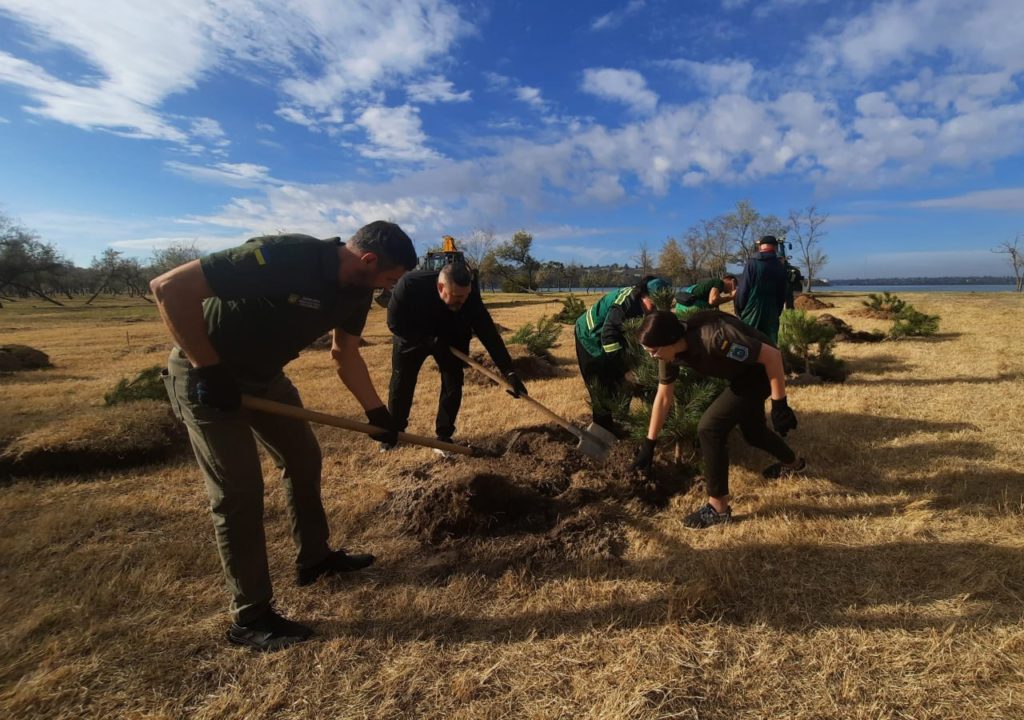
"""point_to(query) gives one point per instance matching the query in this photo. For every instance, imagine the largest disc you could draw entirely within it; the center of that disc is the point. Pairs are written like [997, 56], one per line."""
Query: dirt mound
[96, 439]
[846, 333]
[542, 501]
[22, 357]
[809, 302]
[527, 366]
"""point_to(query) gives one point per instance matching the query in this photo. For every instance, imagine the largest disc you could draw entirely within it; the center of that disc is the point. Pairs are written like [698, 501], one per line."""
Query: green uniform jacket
[761, 294]
[599, 329]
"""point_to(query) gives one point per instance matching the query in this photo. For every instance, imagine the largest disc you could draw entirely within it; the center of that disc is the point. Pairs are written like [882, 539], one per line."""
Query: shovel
[251, 402]
[595, 441]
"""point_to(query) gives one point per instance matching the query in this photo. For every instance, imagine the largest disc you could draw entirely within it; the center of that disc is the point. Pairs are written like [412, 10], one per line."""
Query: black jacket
[416, 312]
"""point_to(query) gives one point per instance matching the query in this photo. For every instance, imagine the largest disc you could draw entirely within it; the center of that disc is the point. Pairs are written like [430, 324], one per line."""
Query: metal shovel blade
[594, 444]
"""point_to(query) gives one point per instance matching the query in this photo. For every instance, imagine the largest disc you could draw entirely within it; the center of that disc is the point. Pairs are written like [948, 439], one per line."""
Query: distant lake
[848, 288]
[960, 287]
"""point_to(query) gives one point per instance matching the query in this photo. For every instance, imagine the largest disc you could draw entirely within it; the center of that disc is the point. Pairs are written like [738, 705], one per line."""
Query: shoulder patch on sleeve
[738, 352]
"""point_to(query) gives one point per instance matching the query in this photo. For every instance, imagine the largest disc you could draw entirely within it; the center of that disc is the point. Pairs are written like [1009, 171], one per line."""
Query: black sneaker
[705, 517]
[269, 632]
[779, 470]
[337, 561]
[387, 447]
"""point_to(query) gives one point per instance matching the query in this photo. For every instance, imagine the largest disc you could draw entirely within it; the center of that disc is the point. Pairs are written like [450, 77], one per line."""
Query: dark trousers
[743, 406]
[406, 361]
[225, 447]
[605, 377]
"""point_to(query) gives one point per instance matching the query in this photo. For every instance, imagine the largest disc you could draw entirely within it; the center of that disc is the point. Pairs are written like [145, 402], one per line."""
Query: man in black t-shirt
[430, 311]
[237, 318]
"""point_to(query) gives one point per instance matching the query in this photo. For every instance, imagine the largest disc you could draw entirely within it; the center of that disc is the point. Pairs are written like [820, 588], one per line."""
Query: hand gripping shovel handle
[504, 383]
[298, 413]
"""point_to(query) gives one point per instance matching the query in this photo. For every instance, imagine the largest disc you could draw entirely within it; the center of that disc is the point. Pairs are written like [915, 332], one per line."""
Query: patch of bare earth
[541, 503]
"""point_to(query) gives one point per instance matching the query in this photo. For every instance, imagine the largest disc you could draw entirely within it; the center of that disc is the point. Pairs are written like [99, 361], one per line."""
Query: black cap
[768, 240]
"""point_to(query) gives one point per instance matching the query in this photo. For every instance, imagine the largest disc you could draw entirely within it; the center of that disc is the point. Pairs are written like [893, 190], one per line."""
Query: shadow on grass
[791, 587]
[875, 365]
[929, 382]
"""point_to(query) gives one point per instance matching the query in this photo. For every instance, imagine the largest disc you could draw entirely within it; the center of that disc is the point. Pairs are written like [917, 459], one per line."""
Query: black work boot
[270, 631]
[337, 561]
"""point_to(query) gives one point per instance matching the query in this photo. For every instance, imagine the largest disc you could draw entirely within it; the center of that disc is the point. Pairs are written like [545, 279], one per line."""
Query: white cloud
[233, 174]
[1011, 199]
[209, 130]
[625, 86]
[3, 120]
[530, 96]
[614, 18]
[436, 89]
[136, 56]
[984, 32]
[733, 76]
[395, 133]
[930, 264]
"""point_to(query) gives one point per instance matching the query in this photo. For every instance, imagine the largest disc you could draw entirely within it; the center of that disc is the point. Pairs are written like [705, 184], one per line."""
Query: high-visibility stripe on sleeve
[612, 347]
[259, 257]
[590, 319]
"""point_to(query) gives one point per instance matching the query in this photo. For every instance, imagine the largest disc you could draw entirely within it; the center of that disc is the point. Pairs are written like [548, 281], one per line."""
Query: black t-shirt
[719, 345]
[273, 296]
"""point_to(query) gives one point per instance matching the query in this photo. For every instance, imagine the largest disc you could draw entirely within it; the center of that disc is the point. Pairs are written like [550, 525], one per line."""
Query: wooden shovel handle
[299, 413]
[504, 383]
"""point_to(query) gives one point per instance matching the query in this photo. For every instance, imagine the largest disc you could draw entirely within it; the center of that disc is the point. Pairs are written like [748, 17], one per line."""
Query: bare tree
[805, 228]
[175, 254]
[643, 260]
[708, 248]
[476, 247]
[28, 266]
[1016, 256]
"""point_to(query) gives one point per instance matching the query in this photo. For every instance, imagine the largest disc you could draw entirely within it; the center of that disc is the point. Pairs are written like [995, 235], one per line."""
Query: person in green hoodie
[762, 288]
[601, 343]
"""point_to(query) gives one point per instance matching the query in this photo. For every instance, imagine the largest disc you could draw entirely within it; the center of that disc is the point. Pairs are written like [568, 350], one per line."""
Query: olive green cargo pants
[225, 446]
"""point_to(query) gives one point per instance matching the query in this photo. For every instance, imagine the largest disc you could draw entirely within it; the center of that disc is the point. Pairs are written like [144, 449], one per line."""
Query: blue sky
[596, 126]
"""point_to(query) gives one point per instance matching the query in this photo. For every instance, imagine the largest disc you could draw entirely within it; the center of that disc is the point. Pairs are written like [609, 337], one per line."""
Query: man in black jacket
[429, 312]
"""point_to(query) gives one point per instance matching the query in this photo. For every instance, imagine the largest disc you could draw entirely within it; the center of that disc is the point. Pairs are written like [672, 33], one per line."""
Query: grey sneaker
[779, 470]
[705, 517]
[268, 632]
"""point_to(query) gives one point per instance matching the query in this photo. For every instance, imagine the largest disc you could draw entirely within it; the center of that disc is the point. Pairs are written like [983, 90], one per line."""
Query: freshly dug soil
[22, 357]
[846, 333]
[543, 500]
[809, 302]
[95, 439]
[527, 366]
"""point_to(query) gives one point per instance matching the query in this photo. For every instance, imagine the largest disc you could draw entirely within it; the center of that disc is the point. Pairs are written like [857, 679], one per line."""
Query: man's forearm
[356, 377]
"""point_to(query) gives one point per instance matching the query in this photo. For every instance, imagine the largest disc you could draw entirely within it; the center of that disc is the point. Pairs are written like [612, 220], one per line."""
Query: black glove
[783, 418]
[518, 389]
[644, 456]
[216, 387]
[380, 417]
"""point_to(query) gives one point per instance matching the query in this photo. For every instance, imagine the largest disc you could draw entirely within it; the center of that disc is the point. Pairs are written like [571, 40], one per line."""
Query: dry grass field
[887, 583]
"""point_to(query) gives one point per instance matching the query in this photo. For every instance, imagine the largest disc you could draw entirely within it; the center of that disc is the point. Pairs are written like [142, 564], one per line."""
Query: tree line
[32, 267]
[708, 248]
